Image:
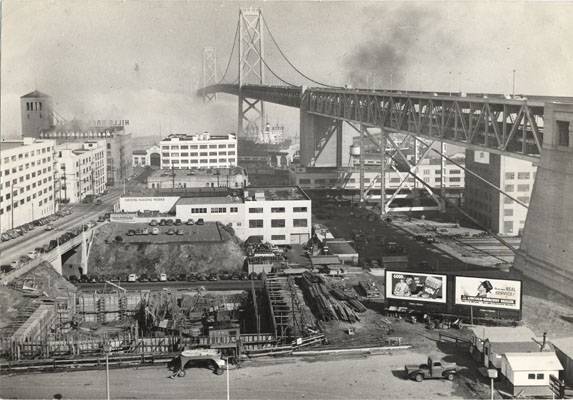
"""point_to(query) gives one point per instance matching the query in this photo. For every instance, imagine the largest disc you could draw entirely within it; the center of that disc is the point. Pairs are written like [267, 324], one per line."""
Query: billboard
[482, 292]
[415, 286]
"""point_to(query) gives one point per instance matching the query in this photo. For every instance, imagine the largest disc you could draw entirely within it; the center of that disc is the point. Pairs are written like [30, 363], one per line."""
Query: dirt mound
[113, 258]
[44, 279]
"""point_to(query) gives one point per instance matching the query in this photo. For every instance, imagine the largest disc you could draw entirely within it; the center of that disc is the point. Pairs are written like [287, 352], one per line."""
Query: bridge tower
[547, 244]
[209, 72]
[251, 71]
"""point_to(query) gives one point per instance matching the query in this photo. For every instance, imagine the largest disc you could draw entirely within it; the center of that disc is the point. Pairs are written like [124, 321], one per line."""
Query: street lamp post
[107, 349]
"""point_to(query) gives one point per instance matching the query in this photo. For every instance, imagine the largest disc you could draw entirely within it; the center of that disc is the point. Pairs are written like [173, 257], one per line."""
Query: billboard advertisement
[415, 286]
[483, 292]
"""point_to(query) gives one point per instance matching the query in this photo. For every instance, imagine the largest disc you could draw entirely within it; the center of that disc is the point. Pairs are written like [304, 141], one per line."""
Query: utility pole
[513, 86]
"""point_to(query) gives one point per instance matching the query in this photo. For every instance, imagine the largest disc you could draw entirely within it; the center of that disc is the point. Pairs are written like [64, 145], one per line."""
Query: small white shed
[530, 370]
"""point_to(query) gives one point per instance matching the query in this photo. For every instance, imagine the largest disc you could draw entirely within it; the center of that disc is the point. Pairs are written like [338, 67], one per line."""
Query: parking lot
[144, 233]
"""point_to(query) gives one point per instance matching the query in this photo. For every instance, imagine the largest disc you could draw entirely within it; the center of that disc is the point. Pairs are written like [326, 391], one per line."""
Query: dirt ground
[330, 377]
[218, 251]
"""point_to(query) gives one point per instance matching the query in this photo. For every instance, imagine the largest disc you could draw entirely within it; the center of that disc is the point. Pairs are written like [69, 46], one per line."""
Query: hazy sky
[141, 60]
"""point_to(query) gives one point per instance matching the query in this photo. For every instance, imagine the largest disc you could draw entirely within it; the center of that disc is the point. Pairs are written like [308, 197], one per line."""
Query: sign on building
[495, 293]
[416, 286]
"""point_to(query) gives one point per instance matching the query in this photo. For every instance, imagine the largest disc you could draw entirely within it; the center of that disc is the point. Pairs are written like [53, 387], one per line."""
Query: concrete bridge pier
[84, 251]
[546, 251]
[317, 145]
[57, 262]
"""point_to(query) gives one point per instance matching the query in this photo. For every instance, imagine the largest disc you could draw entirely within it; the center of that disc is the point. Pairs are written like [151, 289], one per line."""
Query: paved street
[38, 237]
[351, 377]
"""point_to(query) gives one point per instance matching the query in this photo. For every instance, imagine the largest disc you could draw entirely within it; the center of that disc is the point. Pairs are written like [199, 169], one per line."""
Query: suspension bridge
[533, 128]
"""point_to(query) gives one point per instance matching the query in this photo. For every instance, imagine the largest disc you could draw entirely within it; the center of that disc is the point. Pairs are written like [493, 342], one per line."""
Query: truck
[432, 370]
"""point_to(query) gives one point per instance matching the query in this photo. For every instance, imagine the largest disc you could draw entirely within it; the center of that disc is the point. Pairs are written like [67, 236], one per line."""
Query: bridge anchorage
[538, 129]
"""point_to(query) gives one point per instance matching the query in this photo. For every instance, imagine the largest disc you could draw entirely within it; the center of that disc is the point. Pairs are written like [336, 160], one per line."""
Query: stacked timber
[322, 303]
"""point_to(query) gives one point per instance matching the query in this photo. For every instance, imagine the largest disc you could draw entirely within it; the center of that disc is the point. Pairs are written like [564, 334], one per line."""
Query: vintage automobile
[432, 370]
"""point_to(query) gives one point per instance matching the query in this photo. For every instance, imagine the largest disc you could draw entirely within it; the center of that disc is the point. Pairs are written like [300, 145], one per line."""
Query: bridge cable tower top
[209, 72]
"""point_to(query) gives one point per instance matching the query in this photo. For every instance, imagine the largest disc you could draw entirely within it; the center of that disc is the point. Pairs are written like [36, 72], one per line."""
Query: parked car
[6, 268]
[178, 222]
[180, 232]
[171, 232]
[432, 370]
[132, 278]
[200, 221]
[143, 278]
[181, 277]
[101, 218]
[155, 231]
[145, 231]
[190, 222]
[48, 228]
[153, 223]
[168, 222]
[213, 277]
[191, 277]
[162, 222]
[99, 202]
[130, 232]
[163, 277]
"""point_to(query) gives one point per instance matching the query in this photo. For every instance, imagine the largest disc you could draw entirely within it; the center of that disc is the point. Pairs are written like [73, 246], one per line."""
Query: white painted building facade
[81, 169]
[26, 181]
[281, 215]
[202, 151]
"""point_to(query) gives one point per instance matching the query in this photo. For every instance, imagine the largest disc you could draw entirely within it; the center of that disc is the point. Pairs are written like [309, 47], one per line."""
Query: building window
[508, 212]
[523, 188]
[278, 210]
[300, 223]
[277, 223]
[304, 181]
[234, 209]
[507, 200]
[455, 179]
[563, 132]
[299, 209]
[509, 175]
[198, 211]
[258, 210]
[509, 188]
[530, 376]
[255, 223]
[523, 199]
[540, 376]
[278, 237]
[218, 210]
[508, 226]
[523, 175]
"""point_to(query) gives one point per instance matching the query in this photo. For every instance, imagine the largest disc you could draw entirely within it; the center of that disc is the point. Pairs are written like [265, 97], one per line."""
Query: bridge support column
[57, 263]
[316, 146]
[84, 253]
[546, 248]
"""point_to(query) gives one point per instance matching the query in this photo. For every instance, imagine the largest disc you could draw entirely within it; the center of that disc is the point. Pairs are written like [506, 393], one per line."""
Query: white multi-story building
[280, 215]
[202, 150]
[26, 181]
[81, 170]
[235, 177]
[492, 209]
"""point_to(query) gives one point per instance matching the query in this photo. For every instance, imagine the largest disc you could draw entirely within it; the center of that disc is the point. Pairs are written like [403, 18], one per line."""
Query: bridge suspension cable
[290, 63]
[231, 55]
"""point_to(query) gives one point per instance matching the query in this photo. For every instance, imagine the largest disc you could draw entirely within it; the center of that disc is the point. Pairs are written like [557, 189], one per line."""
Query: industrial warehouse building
[281, 215]
[235, 177]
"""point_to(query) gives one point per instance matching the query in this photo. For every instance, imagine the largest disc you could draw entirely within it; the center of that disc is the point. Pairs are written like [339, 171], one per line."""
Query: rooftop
[324, 260]
[179, 173]
[502, 333]
[546, 361]
[198, 136]
[209, 200]
[340, 246]
[564, 344]
[139, 152]
[34, 94]
[275, 193]
[512, 347]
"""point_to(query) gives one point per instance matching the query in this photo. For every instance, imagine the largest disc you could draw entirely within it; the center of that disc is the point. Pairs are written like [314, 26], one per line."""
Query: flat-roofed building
[281, 215]
[26, 181]
[233, 177]
[81, 170]
[117, 143]
[150, 157]
[202, 150]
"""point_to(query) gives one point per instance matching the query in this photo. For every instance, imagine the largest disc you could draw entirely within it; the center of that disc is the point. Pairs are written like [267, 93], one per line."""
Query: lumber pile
[328, 304]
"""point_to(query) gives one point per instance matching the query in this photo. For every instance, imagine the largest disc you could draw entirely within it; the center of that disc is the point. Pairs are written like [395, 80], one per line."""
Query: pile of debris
[329, 304]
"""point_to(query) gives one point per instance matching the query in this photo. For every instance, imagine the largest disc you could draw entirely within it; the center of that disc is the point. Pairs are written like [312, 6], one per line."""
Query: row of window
[14, 182]
[279, 223]
[520, 188]
[202, 146]
[520, 175]
[200, 154]
[260, 210]
[22, 168]
[27, 154]
[16, 204]
[211, 160]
